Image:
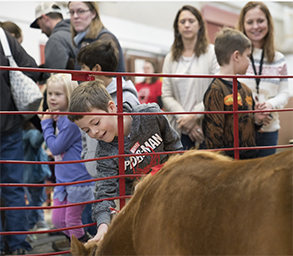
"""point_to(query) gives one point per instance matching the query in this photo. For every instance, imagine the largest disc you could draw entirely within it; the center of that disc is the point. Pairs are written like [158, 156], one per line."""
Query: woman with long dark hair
[191, 54]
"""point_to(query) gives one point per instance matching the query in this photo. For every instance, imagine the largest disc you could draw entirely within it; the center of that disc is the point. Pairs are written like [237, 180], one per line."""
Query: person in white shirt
[256, 22]
[191, 53]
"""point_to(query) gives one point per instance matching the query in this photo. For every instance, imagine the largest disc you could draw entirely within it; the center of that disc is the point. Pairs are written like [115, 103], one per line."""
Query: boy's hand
[102, 230]
[262, 117]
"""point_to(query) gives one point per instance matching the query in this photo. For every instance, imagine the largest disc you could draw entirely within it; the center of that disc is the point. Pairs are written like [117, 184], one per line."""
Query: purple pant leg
[68, 217]
[73, 218]
[58, 216]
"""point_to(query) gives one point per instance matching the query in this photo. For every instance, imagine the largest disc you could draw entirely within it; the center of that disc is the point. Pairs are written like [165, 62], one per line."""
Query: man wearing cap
[59, 50]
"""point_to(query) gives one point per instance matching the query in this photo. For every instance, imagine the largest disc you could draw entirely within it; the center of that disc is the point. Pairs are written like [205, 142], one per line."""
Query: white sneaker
[42, 225]
[31, 238]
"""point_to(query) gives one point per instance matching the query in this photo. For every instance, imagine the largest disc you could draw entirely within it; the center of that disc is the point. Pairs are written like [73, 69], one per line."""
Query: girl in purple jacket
[65, 145]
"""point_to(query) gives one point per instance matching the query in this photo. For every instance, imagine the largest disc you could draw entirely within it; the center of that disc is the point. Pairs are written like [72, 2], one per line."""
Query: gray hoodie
[88, 144]
[149, 134]
[59, 48]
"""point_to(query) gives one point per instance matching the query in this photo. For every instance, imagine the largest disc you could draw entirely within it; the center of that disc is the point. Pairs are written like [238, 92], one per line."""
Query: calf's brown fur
[203, 203]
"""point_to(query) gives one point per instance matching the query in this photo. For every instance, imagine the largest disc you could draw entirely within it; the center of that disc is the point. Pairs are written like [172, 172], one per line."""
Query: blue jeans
[36, 197]
[266, 139]
[15, 220]
[87, 219]
[189, 144]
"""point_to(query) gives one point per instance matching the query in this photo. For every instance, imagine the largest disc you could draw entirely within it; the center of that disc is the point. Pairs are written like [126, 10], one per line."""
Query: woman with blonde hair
[191, 54]
[87, 27]
[256, 22]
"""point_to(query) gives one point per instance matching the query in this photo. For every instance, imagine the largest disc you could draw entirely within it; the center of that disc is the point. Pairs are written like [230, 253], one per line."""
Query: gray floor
[43, 242]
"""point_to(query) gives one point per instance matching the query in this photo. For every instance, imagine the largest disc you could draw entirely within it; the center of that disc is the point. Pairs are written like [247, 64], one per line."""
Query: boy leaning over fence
[142, 134]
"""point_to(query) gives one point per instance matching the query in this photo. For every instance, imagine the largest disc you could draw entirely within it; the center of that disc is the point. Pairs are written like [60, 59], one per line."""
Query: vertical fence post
[235, 119]
[120, 139]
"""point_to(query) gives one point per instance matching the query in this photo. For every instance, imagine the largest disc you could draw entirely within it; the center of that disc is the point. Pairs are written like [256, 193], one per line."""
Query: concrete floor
[43, 242]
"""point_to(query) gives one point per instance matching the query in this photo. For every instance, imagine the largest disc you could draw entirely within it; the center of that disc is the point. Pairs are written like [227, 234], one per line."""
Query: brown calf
[203, 203]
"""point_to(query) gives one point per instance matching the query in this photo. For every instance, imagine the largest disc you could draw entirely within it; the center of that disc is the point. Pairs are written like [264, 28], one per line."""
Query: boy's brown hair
[86, 96]
[228, 41]
[102, 52]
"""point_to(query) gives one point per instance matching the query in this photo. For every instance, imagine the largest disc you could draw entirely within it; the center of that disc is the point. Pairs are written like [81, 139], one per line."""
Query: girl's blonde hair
[268, 41]
[95, 26]
[65, 81]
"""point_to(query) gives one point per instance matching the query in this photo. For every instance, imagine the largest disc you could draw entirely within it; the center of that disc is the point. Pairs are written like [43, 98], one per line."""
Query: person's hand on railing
[102, 230]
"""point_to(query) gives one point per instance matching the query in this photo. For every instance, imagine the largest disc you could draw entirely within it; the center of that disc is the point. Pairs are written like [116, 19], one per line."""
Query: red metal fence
[87, 76]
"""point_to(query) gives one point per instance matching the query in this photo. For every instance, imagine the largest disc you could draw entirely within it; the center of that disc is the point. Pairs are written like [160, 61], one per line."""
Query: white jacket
[272, 90]
[178, 98]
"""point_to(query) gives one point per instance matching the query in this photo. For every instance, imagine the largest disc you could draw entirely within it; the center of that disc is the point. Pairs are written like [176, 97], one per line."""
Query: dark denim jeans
[15, 220]
[87, 219]
[266, 139]
[36, 196]
[189, 144]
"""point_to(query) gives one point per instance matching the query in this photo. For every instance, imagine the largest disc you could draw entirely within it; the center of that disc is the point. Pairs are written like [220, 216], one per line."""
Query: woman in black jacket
[11, 149]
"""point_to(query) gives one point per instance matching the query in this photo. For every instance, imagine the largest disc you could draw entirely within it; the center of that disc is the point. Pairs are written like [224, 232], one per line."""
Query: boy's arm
[105, 189]
[213, 124]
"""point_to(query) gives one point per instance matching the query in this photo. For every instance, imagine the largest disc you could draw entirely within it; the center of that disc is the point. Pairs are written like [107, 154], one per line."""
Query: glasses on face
[79, 12]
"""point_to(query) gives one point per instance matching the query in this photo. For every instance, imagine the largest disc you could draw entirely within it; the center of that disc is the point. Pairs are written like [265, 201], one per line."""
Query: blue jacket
[33, 151]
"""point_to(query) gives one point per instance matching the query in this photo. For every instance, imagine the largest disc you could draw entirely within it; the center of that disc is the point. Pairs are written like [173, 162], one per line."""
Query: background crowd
[74, 44]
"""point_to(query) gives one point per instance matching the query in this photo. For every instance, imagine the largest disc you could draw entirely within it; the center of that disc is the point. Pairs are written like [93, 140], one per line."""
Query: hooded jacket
[59, 51]
[149, 134]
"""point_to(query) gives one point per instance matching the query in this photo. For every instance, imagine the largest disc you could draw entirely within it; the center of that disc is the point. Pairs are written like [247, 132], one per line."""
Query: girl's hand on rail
[55, 116]
[46, 116]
